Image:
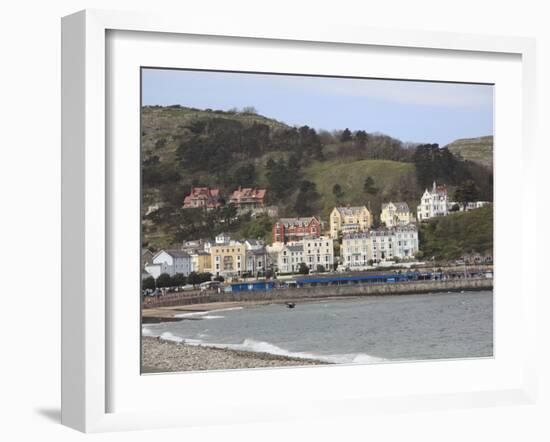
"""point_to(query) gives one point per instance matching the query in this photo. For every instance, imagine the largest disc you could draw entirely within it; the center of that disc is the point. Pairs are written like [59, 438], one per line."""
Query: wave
[253, 346]
[206, 314]
[145, 331]
[167, 336]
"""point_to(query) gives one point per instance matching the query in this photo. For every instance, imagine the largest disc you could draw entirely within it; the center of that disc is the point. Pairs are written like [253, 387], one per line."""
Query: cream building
[349, 220]
[228, 259]
[201, 261]
[396, 214]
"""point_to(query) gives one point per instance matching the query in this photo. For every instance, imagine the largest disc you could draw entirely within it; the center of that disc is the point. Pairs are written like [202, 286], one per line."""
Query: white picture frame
[87, 210]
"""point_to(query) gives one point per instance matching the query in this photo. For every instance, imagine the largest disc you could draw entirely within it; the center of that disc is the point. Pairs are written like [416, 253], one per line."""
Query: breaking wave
[206, 314]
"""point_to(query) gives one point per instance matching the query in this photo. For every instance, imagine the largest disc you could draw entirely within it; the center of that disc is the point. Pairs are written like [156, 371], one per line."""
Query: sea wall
[295, 294]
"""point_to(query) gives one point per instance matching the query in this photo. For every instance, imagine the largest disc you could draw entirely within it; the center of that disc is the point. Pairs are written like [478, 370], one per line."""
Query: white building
[379, 245]
[289, 258]
[433, 203]
[311, 251]
[170, 262]
[222, 238]
[356, 250]
[318, 251]
[256, 257]
[468, 206]
[388, 244]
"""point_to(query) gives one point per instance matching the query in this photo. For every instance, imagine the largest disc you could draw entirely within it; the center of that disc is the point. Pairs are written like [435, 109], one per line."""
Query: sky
[412, 111]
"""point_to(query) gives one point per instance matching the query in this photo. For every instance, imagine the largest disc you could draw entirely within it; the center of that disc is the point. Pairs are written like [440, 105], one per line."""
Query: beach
[160, 356]
[369, 329]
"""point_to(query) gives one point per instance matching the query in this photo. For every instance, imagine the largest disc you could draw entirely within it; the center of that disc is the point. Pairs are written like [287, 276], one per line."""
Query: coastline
[161, 356]
[181, 312]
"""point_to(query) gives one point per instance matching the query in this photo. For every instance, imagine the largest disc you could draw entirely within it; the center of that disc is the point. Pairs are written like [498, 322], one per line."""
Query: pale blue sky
[422, 112]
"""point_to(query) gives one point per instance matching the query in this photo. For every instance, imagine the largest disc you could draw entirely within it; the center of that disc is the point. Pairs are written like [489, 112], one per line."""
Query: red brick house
[295, 229]
[202, 198]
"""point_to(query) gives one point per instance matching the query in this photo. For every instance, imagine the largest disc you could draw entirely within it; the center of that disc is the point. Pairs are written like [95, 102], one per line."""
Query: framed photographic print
[293, 222]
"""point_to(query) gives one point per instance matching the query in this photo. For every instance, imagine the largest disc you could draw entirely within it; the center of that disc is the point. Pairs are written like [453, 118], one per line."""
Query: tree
[369, 187]
[467, 192]
[361, 138]
[179, 280]
[282, 177]
[258, 227]
[204, 277]
[346, 135]
[194, 278]
[337, 191]
[249, 110]
[164, 280]
[307, 199]
[303, 269]
[229, 211]
[148, 283]
[321, 268]
[244, 176]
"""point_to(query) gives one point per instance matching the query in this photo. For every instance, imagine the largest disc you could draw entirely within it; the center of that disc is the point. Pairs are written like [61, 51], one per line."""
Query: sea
[361, 330]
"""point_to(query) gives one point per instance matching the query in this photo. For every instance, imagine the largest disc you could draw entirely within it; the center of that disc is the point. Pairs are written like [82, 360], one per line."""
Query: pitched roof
[303, 221]
[206, 194]
[295, 247]
[248, 193]
[356, 235]
[260, 251]
[399, 207]
[351, 210]
[176, 253]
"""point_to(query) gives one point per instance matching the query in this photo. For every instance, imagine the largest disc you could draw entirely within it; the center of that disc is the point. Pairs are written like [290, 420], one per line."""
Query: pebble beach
[159, 356]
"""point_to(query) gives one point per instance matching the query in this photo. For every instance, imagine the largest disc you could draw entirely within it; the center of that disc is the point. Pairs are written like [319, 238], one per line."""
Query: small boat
[290, 304]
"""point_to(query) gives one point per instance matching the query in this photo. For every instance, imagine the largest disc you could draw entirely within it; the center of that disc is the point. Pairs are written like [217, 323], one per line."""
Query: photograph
[307, 220]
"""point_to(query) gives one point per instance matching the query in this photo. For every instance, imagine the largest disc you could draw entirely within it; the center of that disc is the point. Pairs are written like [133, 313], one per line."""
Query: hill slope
[479, 150]
[304, 171]
[392, 180]
[452, 236]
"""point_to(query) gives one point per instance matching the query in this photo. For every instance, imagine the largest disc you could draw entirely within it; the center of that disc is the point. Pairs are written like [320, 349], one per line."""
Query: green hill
[304, 171]
[479, 150]
[393, 180]
[452, 236]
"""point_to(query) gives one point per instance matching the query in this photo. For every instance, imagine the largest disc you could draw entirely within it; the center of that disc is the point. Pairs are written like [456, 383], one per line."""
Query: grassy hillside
[392, 179]
[450, 237]
[479, 150]
[305, 172]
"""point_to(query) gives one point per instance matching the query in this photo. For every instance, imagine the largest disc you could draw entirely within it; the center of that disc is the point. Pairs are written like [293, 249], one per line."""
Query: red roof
[208, 197]
[248, 193]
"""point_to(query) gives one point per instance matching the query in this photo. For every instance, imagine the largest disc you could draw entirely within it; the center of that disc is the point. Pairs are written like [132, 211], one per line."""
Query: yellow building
[228, 259]
[396, 214]
[349, 220]
[201, 262]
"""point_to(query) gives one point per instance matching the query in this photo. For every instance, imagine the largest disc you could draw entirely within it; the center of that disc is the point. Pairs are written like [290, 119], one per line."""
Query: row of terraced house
[300, 241]
[221, 257]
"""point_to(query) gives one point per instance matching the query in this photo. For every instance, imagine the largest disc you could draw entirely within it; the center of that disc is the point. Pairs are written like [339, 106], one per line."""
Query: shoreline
[162, 356]
[170, 314]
